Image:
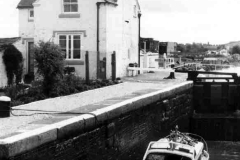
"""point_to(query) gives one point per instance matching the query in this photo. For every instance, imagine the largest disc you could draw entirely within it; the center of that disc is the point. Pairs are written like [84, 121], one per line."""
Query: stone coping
[22, 142]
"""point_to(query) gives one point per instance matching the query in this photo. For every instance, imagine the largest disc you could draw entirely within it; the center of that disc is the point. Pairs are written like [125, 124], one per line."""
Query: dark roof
[26, 4]
[7, 41]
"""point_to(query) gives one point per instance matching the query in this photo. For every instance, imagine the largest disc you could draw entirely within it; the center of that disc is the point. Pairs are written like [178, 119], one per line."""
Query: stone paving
[84, 102]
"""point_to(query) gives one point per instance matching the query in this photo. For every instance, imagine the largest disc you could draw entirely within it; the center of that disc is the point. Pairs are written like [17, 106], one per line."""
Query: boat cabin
[164, 149]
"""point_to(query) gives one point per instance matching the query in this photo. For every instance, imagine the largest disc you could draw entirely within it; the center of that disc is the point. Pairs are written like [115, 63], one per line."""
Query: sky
[181, 21]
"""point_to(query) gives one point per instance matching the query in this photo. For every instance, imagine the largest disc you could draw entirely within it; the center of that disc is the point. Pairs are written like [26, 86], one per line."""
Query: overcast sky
[214, 21]
[182, 21]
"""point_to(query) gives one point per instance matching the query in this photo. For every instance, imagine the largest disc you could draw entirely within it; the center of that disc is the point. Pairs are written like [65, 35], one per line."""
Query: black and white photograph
[119, 80]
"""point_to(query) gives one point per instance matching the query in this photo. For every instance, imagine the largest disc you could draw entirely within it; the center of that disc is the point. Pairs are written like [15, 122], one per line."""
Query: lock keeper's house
[103, 26]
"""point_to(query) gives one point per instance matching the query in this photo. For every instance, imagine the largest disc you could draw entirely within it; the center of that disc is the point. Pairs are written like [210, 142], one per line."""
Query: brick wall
[122, 137]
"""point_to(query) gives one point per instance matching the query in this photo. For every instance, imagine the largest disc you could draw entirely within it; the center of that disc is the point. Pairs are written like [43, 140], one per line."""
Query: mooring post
[5, 106]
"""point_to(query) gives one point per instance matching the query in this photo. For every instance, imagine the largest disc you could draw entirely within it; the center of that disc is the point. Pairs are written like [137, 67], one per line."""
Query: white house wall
[26, 27]
[3, 76]
[22, 47]
[114, 33]
[122, 37]
[48, 24]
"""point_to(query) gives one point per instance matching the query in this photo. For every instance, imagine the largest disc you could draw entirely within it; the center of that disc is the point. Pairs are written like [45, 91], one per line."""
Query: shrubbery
[13, 61]
[50, 64]
[49, 61]
[23, 94]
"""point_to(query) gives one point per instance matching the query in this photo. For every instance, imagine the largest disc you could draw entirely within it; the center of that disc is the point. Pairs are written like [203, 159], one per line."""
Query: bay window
[71, 46]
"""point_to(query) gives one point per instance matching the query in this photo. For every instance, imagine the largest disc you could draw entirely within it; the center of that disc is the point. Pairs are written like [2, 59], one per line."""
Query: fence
[152, 60]
[94, 65]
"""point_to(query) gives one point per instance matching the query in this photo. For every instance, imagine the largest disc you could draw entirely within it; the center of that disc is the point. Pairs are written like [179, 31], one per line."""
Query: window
[31, 13]
[71, 46]
[70, 6]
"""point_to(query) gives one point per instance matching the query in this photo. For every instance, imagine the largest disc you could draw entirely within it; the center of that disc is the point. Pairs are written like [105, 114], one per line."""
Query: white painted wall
[23, 49]
[3, 76]
[115, 33]
[47, 20]
[122, 37]
[26, 28]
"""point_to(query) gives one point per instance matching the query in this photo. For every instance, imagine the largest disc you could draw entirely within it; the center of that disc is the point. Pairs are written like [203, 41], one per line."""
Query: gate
[217, 93]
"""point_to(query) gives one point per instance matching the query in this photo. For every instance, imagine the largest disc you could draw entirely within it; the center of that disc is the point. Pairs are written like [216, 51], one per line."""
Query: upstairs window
[70, 6]
[31, 14]
[71, 46]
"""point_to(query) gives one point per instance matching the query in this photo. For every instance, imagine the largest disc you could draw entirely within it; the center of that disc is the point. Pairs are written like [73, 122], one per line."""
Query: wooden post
[98, 64]
[87, 67]
[114, 66]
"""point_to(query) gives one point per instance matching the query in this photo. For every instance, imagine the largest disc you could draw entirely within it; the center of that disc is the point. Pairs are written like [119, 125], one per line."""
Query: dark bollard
[171, 76]
[4, 106]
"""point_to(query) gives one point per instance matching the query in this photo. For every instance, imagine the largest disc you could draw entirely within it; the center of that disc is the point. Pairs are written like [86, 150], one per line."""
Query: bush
[22, 94]
[13, 61]
[50, 63]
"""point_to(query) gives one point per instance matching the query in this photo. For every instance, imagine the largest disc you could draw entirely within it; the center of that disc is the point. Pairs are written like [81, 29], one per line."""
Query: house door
[102, 72]
[30, 58]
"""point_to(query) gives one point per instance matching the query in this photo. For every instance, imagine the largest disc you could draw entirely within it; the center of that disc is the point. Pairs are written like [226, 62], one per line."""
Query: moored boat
[178, 146]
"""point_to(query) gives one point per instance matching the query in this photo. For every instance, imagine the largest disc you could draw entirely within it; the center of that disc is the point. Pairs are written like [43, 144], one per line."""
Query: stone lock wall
[121, 135]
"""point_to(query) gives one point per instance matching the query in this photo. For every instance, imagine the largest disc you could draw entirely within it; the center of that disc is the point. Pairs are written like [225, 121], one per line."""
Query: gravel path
[66, 103]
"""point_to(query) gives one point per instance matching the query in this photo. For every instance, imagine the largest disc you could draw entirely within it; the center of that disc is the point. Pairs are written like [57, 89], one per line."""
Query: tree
[50, 63]
[181, 47]
[235, 50]
[13, 61]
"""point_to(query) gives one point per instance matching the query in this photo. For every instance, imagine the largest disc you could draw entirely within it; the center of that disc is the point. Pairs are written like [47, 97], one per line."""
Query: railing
[197, 66]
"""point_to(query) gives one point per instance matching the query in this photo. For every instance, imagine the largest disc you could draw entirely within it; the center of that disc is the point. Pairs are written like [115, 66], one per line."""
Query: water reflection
[224, 150]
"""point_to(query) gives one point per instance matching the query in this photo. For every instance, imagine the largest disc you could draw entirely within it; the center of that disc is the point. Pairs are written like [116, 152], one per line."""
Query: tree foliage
[13, 61]
[50, 64]
[191, 48]
[235, 50]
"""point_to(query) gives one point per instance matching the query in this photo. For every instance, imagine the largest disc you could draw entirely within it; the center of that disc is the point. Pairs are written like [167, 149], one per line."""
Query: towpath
[84, 102]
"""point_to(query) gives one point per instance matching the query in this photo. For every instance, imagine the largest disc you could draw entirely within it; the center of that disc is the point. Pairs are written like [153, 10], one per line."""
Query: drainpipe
[139, 33]
[98, 8]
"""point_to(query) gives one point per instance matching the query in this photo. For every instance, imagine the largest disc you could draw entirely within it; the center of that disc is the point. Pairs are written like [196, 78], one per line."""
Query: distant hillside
[231, 44]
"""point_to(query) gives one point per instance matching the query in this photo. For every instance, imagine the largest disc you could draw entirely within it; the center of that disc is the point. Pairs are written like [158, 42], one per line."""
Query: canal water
[224, 150]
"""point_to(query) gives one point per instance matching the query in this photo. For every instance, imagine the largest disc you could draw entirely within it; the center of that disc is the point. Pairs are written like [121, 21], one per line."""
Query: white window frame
[67, 45]
[70, 12]
[29, 14]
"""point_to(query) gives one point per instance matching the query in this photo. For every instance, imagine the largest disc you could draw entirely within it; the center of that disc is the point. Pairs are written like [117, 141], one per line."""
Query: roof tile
[25, 4]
